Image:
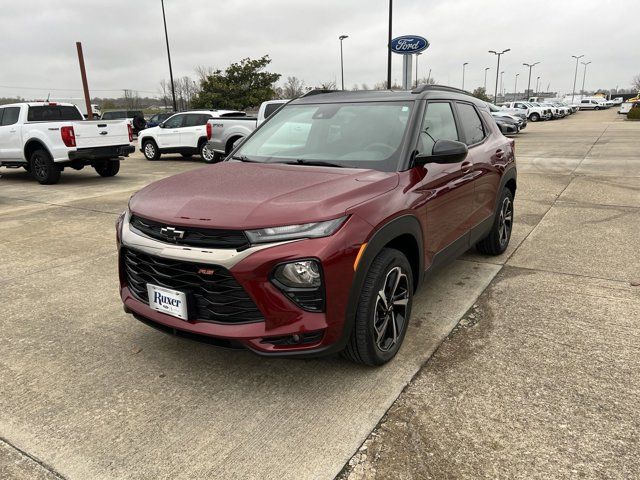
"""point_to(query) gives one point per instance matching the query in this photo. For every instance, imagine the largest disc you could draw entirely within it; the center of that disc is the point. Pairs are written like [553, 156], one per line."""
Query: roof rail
[318, 91]
[425, 88]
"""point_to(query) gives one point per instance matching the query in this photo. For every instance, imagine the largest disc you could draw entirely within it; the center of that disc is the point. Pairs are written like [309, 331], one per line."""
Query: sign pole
[389, 45]
[407, 69]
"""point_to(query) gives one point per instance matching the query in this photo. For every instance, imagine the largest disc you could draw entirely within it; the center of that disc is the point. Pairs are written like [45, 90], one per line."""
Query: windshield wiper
[315, 163]
[242, 158]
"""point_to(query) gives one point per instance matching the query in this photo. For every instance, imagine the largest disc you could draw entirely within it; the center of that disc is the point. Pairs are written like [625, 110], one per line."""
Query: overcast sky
[124, 45]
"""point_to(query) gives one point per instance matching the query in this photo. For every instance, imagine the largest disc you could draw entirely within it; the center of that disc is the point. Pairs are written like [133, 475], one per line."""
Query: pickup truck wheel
[383, 311]
[534, 117]
[207, 154]
[498, 239]
[43, 168]
[110, 168]
[150, 150]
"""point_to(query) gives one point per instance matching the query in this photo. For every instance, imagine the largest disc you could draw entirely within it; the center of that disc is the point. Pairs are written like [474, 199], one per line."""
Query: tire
[150, 150]
[379, 330]
[207, 154]
[43, 168]
[534, 117]
[497, 241]
[186, 155]
[110, 168]
[597, 108]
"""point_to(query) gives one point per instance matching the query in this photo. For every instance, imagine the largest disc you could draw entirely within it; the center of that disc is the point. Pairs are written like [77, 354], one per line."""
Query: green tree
[241, 85]
[480, 93]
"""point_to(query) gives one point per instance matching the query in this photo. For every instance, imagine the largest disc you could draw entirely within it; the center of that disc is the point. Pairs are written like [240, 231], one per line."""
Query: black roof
[422, 92]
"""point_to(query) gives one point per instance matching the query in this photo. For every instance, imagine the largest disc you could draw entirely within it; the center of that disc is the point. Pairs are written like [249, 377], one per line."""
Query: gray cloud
[124, 41]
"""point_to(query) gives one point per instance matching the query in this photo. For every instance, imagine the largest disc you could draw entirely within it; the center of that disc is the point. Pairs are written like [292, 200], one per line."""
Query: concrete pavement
[87, 392]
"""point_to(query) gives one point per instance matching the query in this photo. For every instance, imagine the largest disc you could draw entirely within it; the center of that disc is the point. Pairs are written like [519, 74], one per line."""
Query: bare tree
[293, 87]
[636, 82]
[328, 85]
[355, 87]
[131, 99]
[164, 88]
[204, 72]
[365, 87]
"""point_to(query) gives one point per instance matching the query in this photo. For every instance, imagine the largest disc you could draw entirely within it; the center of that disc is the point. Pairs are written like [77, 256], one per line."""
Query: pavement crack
[42, 463]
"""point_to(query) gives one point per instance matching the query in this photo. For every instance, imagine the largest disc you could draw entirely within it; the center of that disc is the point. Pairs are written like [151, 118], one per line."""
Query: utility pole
[389, 45]
[584, 75]
[464, 66]
[341, 38]
[166, 36]
[501, 84]
[85, 84]
[515, 88]
[485, 79]
[495, 95]
[575, 76]
[537, 87]
[530, 65]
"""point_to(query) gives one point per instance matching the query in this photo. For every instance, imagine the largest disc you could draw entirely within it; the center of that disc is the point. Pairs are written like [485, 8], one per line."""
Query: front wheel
[383, 311]
[150, 150]
[110, 168]
[497, 241]
[207, 154]
[597, 108]
[43, 168]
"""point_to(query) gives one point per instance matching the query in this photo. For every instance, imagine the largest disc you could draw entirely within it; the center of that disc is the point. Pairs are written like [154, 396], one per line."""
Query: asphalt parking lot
[538, 380]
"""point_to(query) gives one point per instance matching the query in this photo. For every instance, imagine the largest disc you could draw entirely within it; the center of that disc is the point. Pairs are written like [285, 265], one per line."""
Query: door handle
[12, 131]
[466, 166]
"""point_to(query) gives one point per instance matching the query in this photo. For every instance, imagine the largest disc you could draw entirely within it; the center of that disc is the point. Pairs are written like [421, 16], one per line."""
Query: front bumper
[252, 269]
[101, 153]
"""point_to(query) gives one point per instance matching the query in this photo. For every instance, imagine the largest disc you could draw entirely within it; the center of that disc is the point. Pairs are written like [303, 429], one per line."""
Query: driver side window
[438, 124]
[174, 122]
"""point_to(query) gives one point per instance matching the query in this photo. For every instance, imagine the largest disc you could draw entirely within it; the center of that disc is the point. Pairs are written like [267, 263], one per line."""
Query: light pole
[530, 65]
[341, 38]
[515, 88]
[584, 75]
[417, 55]
[166, 36]
[495, 95]
[537, 84]
[464, 66]
[485, 79]
[389, 45]
[501, 84]
[575, 76]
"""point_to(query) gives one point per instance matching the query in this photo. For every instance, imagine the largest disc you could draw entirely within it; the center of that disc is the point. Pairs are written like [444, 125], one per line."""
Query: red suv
[313, 235]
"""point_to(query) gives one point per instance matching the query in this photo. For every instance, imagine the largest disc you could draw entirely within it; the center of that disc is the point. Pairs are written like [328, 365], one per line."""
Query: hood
[235, 195]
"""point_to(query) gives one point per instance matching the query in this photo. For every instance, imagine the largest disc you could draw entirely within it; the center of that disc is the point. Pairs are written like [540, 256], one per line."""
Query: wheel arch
[230, 141]
[31, 146]
[403, 233]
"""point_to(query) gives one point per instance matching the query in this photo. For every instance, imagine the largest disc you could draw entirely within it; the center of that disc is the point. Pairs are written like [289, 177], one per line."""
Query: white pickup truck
[535, 113]
[45, 137]
[223, 133]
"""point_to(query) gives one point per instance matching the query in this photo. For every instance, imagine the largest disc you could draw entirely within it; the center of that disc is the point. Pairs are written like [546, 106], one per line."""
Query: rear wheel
[383, 311]
[150, 150]
[43, 168]
[534, 117]
[110, 168]
[207, 154]
[498, 239]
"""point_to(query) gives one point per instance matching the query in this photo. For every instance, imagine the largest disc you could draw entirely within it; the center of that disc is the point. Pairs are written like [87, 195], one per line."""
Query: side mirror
[161, 124]
[444, 151]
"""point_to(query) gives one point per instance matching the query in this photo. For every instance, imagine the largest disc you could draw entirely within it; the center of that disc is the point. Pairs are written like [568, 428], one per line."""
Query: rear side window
[1, 113]
[438, 124]
[52, 113]
[114, 115]
[271, 108]
[471, 124]
[196, 119]
[10, 115]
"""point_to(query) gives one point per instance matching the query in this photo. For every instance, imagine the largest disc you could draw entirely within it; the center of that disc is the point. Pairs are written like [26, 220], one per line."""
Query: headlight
[292, 232]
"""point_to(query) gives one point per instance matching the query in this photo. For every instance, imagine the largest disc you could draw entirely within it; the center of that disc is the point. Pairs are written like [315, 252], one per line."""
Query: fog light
[300, 274]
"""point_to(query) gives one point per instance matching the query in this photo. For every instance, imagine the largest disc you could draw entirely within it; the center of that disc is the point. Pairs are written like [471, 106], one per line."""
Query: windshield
[358, 135]
[114, 115]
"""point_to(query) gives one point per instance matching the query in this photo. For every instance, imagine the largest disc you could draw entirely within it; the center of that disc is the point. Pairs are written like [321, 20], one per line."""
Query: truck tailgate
[101, 133]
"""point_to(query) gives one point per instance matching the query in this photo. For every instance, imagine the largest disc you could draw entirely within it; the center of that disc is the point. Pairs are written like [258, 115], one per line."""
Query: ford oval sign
[409, 44]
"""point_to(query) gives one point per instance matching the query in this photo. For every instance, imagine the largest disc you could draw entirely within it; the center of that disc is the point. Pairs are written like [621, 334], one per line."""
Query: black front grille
[213, 292]
[195, 237]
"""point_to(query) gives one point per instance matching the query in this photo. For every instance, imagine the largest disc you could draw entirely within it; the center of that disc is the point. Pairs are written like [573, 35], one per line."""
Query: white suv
[184, 133]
